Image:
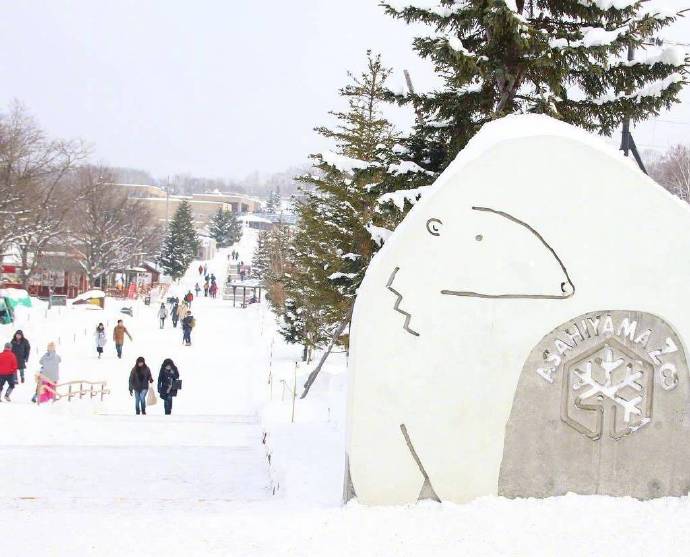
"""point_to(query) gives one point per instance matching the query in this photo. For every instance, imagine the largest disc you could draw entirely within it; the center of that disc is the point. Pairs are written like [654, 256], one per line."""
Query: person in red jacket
[8, 370]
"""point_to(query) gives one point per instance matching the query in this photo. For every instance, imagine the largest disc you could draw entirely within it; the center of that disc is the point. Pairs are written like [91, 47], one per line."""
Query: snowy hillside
[92, 478]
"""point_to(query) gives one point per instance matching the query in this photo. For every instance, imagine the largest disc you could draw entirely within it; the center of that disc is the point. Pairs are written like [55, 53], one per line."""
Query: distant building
[204, 205]
[207, 248]
[58, 271]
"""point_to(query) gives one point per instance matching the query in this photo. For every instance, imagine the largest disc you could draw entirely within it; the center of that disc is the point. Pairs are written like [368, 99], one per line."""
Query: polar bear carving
[459, 352]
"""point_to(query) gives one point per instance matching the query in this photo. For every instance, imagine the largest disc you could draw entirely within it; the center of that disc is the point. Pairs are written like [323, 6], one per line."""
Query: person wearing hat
[8, 370]
[50, 374]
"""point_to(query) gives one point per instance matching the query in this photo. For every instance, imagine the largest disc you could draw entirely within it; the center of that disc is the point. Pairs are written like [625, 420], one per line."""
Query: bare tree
[109, 230]
[33, 169]
[672, 170]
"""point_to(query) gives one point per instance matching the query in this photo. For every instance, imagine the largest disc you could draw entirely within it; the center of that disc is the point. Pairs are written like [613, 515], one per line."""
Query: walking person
[47, 380]
[100, 339]
[168, 381]
[201, 269]
[139, 380]
[8, 370]
[197, 289]
[206, 289]
[188, 324]
[188, 298]
[119, 333]
[174, 316]
[162, 314]
[21, 349]
[213, 290]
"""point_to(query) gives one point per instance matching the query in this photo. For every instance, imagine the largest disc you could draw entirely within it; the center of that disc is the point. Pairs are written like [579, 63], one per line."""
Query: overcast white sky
[212, 87]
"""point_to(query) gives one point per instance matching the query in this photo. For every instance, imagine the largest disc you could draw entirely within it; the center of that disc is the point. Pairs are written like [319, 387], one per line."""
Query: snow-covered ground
[91, 478]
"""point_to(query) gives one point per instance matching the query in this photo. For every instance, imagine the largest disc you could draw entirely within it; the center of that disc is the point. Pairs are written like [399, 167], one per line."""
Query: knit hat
[8, 346]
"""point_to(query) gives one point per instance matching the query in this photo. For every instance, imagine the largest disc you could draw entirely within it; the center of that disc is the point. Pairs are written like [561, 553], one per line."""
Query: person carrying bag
[168, 383]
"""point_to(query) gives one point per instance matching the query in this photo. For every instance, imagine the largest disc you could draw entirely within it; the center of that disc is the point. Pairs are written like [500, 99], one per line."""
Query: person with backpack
[168, 383]
[21, 349]
[174, 316]
[100, 339]
[119, 333]
[139, 379]
[8, 370]
[162, 314]
[188, 298]
[213, 290]
[188, 324]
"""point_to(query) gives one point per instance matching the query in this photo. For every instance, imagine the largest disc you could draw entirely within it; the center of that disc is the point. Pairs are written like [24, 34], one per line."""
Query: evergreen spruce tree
[273, 204]
[261, 260]
[181, 243]
[564, 58]
[234, 228]
[333, 242]
[220, 228]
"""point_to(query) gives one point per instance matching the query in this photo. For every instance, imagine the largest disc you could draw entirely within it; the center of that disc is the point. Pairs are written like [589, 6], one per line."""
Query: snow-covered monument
[523, 330]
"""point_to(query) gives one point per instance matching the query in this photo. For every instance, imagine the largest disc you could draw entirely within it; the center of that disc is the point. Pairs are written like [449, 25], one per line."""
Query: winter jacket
[166, 381]
[162, 313]
[182, 310]
[100, 338]
[8, 362]
[119, 333]
[188, 322]
[21, 350]
[50, 366]
[139, 378]
[174, 312]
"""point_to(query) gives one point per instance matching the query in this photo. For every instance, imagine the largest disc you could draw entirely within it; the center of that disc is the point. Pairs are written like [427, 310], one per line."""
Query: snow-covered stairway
[139, 458]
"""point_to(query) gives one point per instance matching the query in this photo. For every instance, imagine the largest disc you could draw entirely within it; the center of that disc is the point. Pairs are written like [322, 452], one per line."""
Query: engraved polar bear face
[485, 252]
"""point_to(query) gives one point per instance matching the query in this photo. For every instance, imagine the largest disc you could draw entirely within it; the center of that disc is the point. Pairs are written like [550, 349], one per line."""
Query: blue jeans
[118, 348]
[140, 400]
[167, 403]
[186, 335]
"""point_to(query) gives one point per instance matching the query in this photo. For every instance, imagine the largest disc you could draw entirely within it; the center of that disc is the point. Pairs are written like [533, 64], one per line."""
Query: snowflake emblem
[608, 382]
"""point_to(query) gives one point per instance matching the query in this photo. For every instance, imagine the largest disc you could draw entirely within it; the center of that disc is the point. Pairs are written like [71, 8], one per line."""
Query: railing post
[81, 390]
[69, 394]
[294, 395]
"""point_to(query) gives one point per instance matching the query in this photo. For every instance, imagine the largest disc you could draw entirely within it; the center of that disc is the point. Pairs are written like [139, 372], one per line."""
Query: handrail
[101, 389]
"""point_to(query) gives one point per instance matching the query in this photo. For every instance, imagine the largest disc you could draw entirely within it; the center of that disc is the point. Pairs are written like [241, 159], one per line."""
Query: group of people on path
[210, 287]
[179, 311]
[13, 361]
[140, 379]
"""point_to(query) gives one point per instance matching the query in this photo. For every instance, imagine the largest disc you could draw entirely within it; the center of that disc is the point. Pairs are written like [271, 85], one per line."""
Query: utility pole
[627, 141]
[410, 87]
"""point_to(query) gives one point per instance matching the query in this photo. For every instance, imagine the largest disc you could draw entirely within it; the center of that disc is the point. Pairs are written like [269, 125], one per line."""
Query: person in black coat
[139, 379]
[173, 314]
[21, 349]
[167, 383]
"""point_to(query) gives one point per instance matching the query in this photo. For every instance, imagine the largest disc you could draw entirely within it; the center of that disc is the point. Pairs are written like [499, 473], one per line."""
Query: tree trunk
[313, 375]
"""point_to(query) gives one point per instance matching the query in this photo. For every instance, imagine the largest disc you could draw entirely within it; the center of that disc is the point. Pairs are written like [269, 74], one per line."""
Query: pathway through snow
[209, 449]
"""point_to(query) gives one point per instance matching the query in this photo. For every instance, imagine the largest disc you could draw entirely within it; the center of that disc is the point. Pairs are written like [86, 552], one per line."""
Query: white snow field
[90, 478]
